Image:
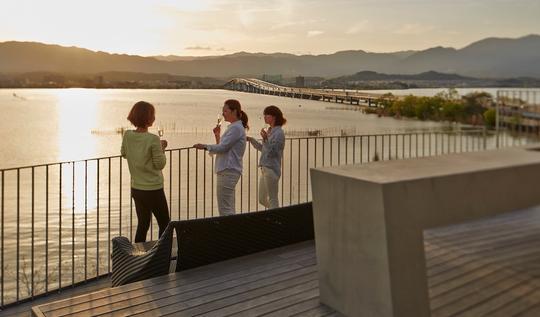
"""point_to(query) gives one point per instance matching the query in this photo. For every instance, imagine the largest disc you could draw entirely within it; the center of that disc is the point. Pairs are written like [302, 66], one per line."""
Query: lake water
[49, 125]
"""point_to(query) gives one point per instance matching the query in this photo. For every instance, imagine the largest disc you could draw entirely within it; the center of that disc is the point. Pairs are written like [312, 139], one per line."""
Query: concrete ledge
[369, 220]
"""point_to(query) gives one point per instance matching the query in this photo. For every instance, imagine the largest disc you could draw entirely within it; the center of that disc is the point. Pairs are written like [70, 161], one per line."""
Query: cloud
[413, 29]
[198, 48]
[298, 23]
[314, 33]
[358, 27]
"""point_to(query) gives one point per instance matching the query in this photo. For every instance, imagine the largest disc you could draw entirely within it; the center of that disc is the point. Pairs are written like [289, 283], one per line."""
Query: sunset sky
[218, 27]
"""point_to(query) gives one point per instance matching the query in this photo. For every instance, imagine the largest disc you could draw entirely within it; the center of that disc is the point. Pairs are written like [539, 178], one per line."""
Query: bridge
[257, 86]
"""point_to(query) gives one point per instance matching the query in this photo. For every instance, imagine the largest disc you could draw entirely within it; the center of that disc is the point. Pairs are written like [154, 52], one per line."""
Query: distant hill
[492, 57]
[431, 79]
[374, 76]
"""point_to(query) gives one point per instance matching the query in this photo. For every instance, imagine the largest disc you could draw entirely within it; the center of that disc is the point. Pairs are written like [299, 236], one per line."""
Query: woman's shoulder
[139, 135]
[127, 134]
[238, 127]
[278, 130]
[153, 137]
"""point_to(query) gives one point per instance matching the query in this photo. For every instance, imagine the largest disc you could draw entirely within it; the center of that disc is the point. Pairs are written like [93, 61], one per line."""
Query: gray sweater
[271, 149]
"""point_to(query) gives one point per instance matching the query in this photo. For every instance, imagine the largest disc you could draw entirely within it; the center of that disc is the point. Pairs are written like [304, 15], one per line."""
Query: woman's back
[145, 159]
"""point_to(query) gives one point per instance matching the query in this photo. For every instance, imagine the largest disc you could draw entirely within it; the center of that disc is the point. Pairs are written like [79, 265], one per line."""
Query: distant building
[276, 79]
[300, 82]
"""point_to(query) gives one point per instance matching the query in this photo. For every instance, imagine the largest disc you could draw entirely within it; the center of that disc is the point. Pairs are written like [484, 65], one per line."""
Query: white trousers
[268, 188]
[225, 191]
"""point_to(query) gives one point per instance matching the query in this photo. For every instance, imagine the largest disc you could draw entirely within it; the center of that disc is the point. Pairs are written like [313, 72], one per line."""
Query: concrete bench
[369, 221]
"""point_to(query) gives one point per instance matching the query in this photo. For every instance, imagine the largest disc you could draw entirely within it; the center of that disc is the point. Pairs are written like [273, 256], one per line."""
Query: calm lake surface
[50, 125]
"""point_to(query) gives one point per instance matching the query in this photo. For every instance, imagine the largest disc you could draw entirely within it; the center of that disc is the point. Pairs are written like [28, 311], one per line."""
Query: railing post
[497, 120]
[484, 137]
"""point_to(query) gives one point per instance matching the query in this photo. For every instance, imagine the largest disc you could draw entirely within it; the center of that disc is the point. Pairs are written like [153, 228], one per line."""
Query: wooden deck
[483, 268]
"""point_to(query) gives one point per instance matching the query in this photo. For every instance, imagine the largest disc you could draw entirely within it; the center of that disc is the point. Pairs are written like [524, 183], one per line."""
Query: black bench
[204, 241]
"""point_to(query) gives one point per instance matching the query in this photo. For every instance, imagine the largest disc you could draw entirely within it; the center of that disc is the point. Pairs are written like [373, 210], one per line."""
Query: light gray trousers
[268, 188]
[225, 191]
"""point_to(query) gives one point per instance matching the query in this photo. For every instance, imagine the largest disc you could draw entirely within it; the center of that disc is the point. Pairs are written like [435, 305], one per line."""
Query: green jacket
[145, 159]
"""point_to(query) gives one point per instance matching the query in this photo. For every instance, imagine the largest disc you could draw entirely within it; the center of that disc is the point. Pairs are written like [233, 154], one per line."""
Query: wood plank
[533, 311]
[297, 308]
[270, 302]
[470, 273]
[472, 300]
[316, 312]
[518, 306]
[467, 278]
[484, 257]
[499, 255]
[515, 218]
[456, 294]
[211, 298]
[486, 308]
[472, 247]
[156, 292]
[238, 265]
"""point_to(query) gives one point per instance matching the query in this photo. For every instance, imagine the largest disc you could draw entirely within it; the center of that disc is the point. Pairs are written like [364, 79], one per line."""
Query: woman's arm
[158, 155]
[228, 140]
[256, 144]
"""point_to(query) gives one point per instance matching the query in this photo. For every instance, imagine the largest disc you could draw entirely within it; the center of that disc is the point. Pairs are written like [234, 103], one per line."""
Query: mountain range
[487, 58]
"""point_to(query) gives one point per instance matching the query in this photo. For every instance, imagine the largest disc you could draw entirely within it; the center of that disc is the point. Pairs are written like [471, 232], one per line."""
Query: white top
[231, 148]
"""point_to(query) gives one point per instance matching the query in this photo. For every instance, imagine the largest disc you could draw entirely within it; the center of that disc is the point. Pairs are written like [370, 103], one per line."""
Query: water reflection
[77, 113]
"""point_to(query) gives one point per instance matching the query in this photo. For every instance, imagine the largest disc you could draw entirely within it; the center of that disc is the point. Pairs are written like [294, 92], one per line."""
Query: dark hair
[234, 104]
[276, 113]
[142, 114]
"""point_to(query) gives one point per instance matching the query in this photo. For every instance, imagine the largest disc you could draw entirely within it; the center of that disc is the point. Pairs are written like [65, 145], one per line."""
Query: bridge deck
[259, 86]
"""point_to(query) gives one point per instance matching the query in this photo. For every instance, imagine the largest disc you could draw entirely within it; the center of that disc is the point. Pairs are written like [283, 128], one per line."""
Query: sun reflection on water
[77, 113]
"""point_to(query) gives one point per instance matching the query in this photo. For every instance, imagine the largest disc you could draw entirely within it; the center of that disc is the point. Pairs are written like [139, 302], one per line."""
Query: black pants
[148, 202]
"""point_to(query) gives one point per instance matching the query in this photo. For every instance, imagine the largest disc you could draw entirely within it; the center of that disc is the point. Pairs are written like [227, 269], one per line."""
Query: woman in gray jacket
[273, 143]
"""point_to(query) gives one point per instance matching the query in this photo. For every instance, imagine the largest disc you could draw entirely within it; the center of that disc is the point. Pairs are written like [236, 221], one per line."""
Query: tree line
[475, 108]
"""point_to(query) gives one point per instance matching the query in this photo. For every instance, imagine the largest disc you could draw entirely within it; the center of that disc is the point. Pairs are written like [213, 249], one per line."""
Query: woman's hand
[199, 146]
[217, 130]
[164, 144]
[264, 134]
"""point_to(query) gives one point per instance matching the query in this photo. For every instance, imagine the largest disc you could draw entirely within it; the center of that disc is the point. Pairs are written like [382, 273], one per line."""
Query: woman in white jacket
[229, 150]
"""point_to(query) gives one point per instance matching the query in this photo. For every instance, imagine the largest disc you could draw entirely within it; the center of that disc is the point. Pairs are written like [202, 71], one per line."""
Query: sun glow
[77, 115]
[119, 26]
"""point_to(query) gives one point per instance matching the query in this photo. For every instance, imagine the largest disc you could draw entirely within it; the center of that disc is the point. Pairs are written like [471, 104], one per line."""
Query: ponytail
[234, 105]
[244, 118]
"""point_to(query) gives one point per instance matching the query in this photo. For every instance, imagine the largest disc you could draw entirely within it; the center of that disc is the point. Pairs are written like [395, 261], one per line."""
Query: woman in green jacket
[144, 152]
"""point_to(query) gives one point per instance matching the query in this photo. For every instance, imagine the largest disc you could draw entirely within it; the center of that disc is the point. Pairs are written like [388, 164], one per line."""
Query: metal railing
[57, 220]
